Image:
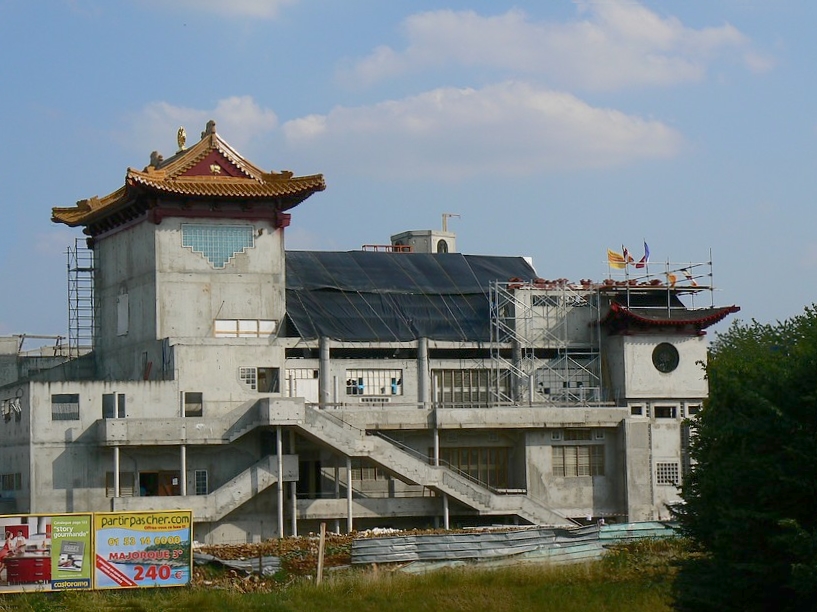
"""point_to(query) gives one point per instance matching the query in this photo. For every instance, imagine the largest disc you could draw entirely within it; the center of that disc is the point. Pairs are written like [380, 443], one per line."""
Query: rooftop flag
[689, 277]
[616, 260]
[646, 259]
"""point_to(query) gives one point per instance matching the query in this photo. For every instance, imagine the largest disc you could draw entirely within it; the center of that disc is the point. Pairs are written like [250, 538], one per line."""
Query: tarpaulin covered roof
[370, 296]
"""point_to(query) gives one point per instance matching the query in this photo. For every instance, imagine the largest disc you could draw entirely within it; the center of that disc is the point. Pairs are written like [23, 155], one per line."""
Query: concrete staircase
[324, 427]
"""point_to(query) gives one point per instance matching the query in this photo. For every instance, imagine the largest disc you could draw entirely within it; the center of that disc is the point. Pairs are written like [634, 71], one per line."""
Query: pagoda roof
[621, 317]
[209, 170]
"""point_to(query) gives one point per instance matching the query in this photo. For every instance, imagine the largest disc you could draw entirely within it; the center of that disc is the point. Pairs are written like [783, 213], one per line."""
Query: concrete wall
[632, 375]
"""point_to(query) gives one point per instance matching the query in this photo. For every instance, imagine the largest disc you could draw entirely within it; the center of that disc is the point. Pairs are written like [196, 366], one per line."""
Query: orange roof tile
[209, 169]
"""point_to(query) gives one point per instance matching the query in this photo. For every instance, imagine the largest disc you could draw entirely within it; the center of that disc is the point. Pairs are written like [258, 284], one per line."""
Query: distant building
[270, 391]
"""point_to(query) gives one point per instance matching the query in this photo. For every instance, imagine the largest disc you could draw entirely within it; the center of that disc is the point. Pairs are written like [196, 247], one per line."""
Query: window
[487, 465]
[636, 410]
[693, 410]
[245, 328]
[200, 484]
[667, 474]
[218, 244]
[665, 357]
[65, 407]
[578, 434]
[469, 388]
[366, 471]
[113, 405]
[126, 484]
[442, 246]
[263, 380]
[11, 482]
[374, 382]
[193, 404]
[572, 461]
[665, 412]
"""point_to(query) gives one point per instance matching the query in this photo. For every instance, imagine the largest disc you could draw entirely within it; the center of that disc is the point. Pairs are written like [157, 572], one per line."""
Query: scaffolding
[81, 302]
[545, 336]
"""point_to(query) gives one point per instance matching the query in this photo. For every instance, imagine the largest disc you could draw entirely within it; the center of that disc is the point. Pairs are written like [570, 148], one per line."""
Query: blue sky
[556, 129]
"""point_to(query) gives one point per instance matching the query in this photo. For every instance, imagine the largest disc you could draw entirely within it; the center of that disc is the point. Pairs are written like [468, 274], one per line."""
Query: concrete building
[402, 385]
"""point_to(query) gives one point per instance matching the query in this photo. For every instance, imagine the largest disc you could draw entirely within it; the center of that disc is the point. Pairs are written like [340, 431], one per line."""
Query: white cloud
[240, 119]
[507, 129]
[614, 44]
[264, 9]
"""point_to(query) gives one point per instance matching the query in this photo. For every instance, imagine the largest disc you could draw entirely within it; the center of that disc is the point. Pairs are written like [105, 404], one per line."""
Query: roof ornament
[156, 159]
[210, 129]
[181, 138]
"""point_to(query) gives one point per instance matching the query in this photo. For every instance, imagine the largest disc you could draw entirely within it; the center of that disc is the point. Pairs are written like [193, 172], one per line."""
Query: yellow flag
[616, 260]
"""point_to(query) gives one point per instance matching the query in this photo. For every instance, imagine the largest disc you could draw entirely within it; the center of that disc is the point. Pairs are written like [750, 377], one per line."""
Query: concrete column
[423, 372]
[279, 451]
[293, 487]
[348, 495]
[116, 490]
[436, 446]
[445, 511]
[337, 491]
[325, 381]
[183, 469]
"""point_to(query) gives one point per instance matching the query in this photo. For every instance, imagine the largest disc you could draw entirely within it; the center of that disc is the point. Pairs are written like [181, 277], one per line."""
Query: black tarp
[369, 296]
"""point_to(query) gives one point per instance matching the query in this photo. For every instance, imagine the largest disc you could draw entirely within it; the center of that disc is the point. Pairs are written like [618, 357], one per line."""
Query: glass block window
[249, 376]
[667, 474]
[200, 484]
[218, 243]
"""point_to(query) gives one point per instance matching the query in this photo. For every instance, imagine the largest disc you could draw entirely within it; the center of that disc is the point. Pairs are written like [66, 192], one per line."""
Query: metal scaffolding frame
[81, 299]
[547, 363]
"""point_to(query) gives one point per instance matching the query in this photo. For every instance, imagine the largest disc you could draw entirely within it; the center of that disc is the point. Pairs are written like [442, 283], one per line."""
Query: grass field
[637, 578]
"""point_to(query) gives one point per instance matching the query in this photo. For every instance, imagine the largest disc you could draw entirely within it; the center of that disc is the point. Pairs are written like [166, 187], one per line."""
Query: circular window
[665, 357]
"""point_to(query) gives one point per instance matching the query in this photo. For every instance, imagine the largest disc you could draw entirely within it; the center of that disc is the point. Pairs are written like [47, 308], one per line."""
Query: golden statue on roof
[181, 138]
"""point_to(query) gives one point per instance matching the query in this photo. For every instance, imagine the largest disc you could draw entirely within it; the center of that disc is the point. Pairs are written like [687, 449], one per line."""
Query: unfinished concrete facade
[269, 391]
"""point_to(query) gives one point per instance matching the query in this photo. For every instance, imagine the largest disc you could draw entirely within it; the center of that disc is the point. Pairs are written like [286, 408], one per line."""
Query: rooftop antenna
[446, 217]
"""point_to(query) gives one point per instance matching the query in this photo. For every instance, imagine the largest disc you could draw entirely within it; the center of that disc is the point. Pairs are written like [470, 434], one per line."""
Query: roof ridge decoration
[210, 170]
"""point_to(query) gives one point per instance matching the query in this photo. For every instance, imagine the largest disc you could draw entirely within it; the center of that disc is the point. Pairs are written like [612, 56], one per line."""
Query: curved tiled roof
[211, 169]
[663, 317]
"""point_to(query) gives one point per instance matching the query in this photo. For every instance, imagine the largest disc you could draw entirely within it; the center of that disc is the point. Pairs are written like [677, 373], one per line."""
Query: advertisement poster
[142, 549]
[71, 552]
[45, 552]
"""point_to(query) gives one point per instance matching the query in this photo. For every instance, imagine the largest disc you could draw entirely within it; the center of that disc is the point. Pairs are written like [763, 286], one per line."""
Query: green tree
[751, 499]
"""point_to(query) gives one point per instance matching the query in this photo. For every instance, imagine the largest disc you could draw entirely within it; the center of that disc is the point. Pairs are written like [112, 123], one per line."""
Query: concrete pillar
[436, 446]
[116, 492]
[337, 491]
[183, 469]
[279, 452]
[445, 511]
[293, 487]
[348, 495]
[325, 381]
[423, 372]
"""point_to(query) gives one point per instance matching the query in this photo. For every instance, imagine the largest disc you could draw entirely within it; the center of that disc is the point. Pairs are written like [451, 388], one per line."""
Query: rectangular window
[665, 412]
[374, 382]
[574, 461]
[200, 484]
[263, 380]
[11, 482]
[126, 484]
[113, 405]
[486, 465]
[636, 410]
[544, 301]
[193, 404]
[667, 474]
[65, 407]
[693, 410]
[470, 388]
[362, 470]
[245, 328]
[578, 434]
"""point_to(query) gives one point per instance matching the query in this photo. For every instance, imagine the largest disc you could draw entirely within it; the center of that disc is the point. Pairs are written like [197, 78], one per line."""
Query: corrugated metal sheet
[503, 547]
